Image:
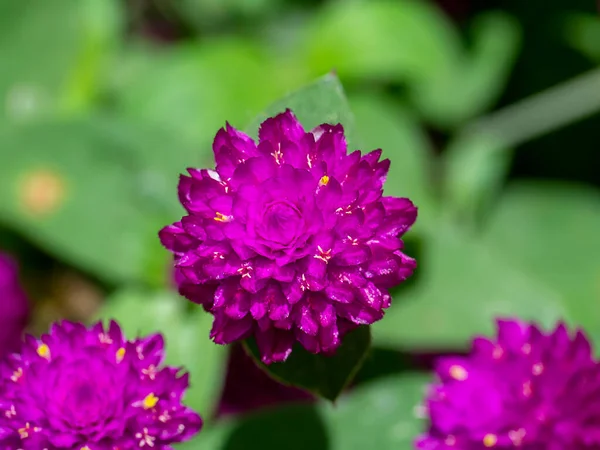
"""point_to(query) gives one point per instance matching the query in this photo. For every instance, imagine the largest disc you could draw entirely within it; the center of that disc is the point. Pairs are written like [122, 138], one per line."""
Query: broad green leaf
[413, 43]
[54, 53]
[380, 123]
[550, 231]
[325, 376]
[93, 192]
[385, 40]
[322, 101]
[461, 287]
[382, 415]
[193, 90]
[186, 331]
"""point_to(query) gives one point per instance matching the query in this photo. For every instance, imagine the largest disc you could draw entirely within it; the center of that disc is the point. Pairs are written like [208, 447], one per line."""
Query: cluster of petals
[290, 238]
[91, 389]
[527, 389]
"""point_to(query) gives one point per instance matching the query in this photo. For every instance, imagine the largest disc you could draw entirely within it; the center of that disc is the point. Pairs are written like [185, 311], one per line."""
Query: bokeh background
[487, 109]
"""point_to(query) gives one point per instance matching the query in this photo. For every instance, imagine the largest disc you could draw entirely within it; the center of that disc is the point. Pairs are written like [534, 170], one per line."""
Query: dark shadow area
[383, 362]
[298, 427]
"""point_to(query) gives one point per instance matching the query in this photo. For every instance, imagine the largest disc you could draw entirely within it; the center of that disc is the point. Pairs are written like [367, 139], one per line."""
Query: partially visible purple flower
[91, 389]
[525, 389]
[290, 239]
[14, 309]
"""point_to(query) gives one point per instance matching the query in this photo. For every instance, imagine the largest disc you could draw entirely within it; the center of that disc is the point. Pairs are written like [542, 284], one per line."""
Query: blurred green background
[487, 109]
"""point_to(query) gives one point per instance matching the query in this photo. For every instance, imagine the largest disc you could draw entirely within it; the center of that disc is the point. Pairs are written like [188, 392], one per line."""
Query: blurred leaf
[413, 43]
[550, 230]
[475, 166]
[322, 101]
[193, 90]
[379, 415]
[472, 83]
[380, 39]
[141, 313]
[212, 14]
[462, 287]
[325, 376]
[93, 192]
[583, 34]
[56, 50]
[382, 124]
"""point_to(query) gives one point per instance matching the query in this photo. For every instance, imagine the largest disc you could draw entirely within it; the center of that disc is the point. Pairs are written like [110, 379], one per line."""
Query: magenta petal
[77, 386]
[524, 388]
[226, 330]
[274, 345]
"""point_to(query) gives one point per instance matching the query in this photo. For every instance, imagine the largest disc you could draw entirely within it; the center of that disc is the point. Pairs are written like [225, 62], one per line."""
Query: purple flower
[14, 309]
[526, 389]
[290, 238]
[91, 389]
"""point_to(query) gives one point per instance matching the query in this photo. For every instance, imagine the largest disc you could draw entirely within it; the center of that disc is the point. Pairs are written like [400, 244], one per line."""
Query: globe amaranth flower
[526, 389]
[290, 238]
[91, 389]
[14, 310]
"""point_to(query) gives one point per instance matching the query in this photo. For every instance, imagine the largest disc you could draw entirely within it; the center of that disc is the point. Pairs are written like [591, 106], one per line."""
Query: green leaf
[583, 34]
[186, 333]
[462, 285]
[550, 231]
[193, 90]
[322, 101]
[56, 52]
[382, 415]
[392, 41]
[475, 165]
[392, 127]
[475, 79]
[325, 376]
[413, 43]
[93, 192]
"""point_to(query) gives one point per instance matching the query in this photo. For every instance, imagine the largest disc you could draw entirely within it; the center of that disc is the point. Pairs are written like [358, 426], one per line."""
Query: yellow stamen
[44, 351]
[489, 440]
[324, 180]
[220, 217]
[459, 373]
[120, 354]
[150, 401]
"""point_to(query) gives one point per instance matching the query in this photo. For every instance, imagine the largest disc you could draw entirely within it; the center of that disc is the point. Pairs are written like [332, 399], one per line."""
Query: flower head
[13, 306]
[525, 389]
[290, 238]
[91, 389]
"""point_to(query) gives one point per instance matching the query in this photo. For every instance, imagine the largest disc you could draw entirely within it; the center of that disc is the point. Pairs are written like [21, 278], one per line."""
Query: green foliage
[583, 34]
[141, 313]
[77, 38]
[382, 415]
[549, 231]
[414, 44]
[92, 191]
[325, 376]
[462, 286]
